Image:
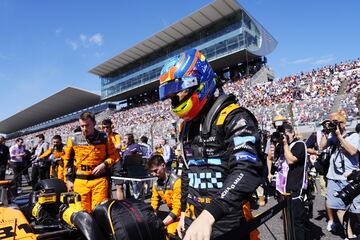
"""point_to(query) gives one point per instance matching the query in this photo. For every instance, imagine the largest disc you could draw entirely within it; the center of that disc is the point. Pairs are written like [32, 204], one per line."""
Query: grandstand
[54, 110]
[232, 40]
[305, 98]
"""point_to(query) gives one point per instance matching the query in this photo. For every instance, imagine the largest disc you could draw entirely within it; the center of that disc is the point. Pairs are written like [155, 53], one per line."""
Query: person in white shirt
[166, 149]
[17, 152]
[41, 168]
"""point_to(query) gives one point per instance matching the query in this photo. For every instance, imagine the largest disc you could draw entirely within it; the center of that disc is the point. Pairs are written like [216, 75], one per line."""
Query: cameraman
[292, 176]
[322, 165]
[344, 158]
[275, 153]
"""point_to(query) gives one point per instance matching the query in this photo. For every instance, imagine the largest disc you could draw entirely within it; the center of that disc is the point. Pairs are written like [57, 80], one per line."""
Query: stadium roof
[197, 20]
[61, 103]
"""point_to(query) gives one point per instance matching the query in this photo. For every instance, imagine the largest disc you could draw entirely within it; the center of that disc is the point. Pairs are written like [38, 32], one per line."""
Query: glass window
[221, 47]
[247, 21]
[140, 73]
[210, 52]
[232, 43]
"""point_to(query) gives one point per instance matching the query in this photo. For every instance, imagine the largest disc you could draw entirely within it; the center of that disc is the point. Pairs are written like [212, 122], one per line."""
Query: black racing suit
[224, 166]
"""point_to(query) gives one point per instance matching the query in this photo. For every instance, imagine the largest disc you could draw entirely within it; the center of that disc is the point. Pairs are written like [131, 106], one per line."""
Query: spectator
[357, 128]
[132, 149]
[179, 164]
[321, 163]
[145, 147]
[296, 158]
[291, 174]
[4, 157]
[158, 150]
[17, 152]
[146, 152]
[41, 167]
[344, 158]
[26, 166]
[309, 94]
[167, 153]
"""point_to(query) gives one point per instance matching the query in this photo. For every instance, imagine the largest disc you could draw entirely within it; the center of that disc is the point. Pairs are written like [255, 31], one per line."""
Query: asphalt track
[273, 228]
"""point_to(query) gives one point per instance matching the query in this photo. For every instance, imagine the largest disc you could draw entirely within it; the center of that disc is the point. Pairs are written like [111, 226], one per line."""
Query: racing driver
[221, 146]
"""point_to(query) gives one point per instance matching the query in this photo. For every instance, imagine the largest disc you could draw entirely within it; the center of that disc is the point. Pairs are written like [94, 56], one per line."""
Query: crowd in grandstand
[311, 94]
[303, 98]
[307, 96]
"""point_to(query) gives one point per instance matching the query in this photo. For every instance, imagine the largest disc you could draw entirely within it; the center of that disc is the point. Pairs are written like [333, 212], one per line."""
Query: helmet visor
[172, 87]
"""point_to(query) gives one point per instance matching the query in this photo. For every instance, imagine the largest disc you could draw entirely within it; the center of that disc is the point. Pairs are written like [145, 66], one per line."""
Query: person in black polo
[4, 157]
[296, 184]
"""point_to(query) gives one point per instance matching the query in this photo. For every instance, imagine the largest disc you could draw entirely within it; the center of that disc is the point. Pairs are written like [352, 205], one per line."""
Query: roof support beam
[202, 14]
[180, 33]
[195, 21]
[216, 10]
[154, 43]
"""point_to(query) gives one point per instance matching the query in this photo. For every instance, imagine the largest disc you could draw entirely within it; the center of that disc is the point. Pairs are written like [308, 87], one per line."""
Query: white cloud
[325, 60]
[73, 44]
[97, 38]
[99, 54]
[313, 60]
[83, 37]
[58, 31]
[302, 61]
[85, 41]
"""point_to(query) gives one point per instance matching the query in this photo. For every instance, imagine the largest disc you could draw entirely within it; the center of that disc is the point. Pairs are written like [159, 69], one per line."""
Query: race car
[49, 212]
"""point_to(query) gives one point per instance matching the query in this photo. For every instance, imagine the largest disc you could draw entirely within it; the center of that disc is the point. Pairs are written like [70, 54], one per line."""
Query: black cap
[77, 129]
[106, 121]
[42, 136]
[288, 127]
[325, 121]
[357, 128]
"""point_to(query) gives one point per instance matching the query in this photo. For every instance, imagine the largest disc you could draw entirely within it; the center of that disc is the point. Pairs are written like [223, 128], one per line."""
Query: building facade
[223, 31]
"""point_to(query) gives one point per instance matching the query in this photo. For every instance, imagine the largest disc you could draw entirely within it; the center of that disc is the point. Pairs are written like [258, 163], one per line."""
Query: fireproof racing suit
[169, 191]
[223, 154]
[117, 167]
[83, 154]
[115, 138]
[57, 167]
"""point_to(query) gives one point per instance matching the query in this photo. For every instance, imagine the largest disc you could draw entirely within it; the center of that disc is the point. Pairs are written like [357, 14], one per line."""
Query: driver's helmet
[190, 72]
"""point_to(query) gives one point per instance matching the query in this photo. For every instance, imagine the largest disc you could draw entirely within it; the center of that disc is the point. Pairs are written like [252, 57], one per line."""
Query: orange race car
[50, 212]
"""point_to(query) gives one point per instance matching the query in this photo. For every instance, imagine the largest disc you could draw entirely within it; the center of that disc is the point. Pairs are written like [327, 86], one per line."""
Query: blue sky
[46, 46]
